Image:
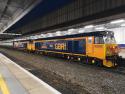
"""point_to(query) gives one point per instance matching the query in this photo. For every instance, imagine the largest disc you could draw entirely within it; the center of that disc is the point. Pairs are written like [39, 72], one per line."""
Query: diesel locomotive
[98, 47]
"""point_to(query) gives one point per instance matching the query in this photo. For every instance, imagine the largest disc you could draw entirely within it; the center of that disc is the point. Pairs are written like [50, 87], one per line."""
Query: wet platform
[16, 80]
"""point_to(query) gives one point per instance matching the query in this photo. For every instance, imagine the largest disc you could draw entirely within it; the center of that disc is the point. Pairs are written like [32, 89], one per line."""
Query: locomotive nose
[116, 49]
[112, 50]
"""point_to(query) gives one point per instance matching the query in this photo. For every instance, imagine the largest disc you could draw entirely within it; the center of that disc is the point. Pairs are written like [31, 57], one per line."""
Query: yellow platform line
[3, 86]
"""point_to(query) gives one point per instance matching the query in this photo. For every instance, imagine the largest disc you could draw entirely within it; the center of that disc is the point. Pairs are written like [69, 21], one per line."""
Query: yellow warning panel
[3, 86]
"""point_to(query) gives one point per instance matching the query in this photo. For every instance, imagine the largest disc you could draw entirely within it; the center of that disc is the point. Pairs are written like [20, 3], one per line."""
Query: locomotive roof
[95, 33]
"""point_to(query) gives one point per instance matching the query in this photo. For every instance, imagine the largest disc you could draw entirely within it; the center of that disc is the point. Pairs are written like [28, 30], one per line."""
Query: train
[97, 47]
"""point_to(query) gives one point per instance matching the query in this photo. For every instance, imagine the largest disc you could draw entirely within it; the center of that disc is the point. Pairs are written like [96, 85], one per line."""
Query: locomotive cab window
[99, 40]
[109, 39]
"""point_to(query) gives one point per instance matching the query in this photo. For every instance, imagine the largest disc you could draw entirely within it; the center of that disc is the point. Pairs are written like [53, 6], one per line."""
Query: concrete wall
[119, 34]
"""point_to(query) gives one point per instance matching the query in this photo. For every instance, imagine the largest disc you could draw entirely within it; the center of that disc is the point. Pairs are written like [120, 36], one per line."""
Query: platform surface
[122, 53]
[16, 80]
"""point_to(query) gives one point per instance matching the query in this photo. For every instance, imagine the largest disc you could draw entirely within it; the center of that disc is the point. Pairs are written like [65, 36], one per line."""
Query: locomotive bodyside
[73, 46]
[94, 48]
[90, 47]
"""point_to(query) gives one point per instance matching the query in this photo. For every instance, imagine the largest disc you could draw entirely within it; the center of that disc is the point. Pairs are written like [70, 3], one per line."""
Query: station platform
[16, 80]
[122, 53]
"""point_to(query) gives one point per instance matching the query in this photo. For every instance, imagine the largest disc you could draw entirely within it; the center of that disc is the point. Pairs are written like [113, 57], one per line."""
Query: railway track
[52, 78]
[91, 72]
[120, 69]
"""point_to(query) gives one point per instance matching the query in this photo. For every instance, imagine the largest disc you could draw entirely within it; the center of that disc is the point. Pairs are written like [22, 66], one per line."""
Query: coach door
[89, 46]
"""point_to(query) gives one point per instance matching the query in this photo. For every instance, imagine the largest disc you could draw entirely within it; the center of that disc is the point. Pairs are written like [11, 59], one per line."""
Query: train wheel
[99, 63]
[87, 60]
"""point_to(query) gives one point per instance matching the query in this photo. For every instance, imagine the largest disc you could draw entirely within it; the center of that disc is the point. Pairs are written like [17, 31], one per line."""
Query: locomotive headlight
[112, 49]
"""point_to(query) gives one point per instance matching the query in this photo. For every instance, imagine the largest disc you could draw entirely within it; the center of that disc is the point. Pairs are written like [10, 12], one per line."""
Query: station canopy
[14, 13]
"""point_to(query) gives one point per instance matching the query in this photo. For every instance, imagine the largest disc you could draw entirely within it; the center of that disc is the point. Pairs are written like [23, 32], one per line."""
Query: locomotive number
[60, 46]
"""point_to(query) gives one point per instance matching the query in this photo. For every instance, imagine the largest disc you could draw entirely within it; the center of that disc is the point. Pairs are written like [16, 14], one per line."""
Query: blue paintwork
[43, 8]
[122, 45]
[79, 46]
[72, 46]
[37, 45]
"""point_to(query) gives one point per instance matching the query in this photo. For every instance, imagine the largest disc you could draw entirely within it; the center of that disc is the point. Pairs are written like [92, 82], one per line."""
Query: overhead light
[42, 35]
[69, 33]
[117, 21]
[70, 30]
[89, 26]
[31, 37]
[36, 36]
[10, 34]
[123, 24]
[49, 35]
[58, 33]
[81, 30]
[100, 28]
[64, 32]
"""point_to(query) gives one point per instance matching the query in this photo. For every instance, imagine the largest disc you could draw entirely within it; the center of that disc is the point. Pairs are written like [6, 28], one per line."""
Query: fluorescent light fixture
[31, 37]
[49, 35]
[58, 33]
[123, 24]
[81, 30]
[64, 32]
[10, 34]
[100, 28]
[71, 30]
[34, 37]
[28, 37]
[89, 26]
[117, 21]
[43, 35]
